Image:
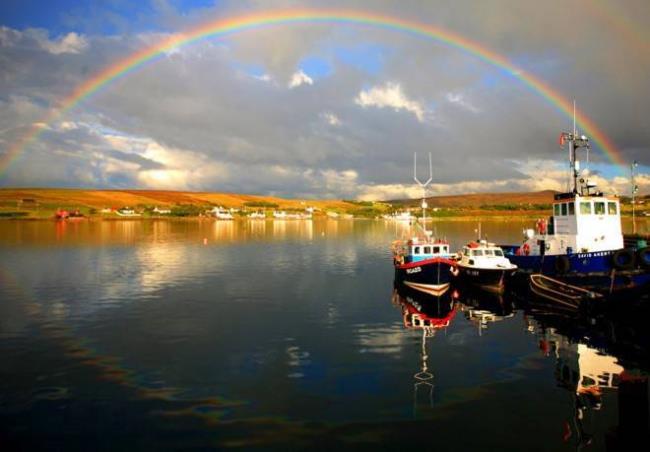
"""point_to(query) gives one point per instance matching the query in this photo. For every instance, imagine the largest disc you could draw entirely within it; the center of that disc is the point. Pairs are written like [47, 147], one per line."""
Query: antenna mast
[424, 187]
[575, 142]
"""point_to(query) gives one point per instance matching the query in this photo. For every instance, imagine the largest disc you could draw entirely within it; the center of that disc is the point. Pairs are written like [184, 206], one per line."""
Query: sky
[321, 110]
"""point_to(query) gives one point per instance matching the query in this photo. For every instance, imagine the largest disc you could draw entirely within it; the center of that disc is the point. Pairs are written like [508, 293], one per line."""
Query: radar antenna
[576, 142]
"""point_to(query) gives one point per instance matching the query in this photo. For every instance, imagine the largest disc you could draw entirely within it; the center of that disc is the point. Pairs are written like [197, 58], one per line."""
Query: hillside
[118, 198]
[43, 202]
[481, 200]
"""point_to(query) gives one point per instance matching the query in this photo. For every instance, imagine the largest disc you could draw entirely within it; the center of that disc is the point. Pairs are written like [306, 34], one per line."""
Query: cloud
[331, 119]
[70, 43]
[390, 95]
[198, 117]
[460, 100]
[300, 78]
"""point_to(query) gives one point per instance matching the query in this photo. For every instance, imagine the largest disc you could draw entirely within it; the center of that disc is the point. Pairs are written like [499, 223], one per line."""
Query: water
[167, 335]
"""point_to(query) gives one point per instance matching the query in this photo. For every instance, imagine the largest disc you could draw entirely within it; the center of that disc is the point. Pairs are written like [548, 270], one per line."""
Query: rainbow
[223, 27]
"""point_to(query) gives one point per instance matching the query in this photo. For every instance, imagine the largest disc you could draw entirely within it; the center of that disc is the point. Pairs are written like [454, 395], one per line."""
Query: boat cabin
[583, 224]
[417, 250]
[481, 254]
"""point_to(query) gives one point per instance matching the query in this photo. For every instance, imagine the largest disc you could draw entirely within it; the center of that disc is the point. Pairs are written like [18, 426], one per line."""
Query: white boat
[257, 216]
[127, 212]
[282, 215]
[399, 216]
[484, 265]
[221, 214]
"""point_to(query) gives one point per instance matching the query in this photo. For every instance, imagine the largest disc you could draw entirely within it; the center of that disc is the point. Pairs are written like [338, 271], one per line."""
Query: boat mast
[575, 142]
[635, 189]
[424, 188]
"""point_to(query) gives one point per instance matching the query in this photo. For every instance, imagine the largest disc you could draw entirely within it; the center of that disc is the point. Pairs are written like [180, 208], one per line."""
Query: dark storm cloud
[479, 123]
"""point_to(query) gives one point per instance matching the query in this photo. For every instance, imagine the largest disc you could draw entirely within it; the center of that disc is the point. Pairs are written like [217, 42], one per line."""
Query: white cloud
[542, 175]
[70, 43]
[331, 119]
[300, 78]
[390, 95]
[461, 100]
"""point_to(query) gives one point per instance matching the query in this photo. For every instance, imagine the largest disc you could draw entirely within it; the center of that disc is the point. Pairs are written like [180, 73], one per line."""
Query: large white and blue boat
[582, 242]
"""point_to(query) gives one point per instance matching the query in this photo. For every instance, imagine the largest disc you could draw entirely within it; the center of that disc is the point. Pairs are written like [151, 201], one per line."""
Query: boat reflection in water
[481, 307]
[600, 358]
[429, 313]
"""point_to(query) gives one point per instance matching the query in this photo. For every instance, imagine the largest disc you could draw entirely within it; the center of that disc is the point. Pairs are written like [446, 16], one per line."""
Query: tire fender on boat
[623, 259]
[562, 265]
[643, 255]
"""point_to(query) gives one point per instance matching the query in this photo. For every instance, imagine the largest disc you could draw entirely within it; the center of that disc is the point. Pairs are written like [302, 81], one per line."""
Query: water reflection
[429, 314]
[263, 340]
[598, 367]
[482, 308]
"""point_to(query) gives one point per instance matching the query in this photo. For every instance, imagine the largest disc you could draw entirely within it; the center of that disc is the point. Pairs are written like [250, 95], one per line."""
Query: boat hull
[491, 279]
[431, 276]
[593, 271]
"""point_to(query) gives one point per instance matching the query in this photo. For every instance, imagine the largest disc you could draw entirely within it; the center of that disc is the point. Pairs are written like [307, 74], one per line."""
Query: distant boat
[62, 214]
[221, 213]
[127, 212]
[399, 216]
[257, 216]
[282, 215]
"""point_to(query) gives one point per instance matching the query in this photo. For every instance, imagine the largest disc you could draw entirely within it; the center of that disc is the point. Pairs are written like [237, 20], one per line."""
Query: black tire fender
[623, 259]
[562, 265]
[643, 256]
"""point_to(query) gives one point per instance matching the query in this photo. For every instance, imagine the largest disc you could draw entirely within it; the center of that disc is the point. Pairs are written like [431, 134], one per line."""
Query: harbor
[324, 226]
[188, 340]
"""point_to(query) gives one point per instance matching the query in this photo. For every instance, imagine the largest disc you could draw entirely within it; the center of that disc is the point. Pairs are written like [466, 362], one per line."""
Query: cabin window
[563, 209]
[585, 208]
[599, 208]
[498, 253]
[477, 253]
[556, 208]
[436, 249]
[427, 250]
[612, 208]
[416, 250]
[572, 209]
[489, 253]
[466, 251]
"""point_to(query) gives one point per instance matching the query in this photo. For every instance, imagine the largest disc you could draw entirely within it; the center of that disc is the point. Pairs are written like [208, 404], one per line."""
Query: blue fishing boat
[582, 243]
[423, 262]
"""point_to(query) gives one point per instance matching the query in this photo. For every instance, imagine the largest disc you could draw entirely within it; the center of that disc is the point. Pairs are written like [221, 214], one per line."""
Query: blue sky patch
[369, 58]
[315, 67]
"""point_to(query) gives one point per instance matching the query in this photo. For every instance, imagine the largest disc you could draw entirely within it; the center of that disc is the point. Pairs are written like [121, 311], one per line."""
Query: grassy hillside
[43, 202]
[483, 200]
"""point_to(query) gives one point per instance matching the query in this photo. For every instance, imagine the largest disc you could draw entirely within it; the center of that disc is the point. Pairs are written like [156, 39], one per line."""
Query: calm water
[150, 335]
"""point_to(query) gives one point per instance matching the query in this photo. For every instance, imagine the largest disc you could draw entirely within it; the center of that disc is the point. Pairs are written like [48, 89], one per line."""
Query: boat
[484, 265]
[423, 262]
[400, 216]
[62, 214]
[559, 292]
[127, 212]
[221, 213]
[257, 215]
[582, 242]
[282, 215]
